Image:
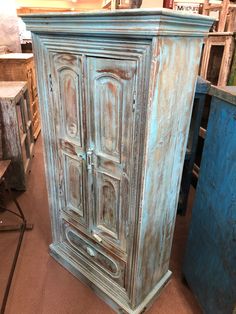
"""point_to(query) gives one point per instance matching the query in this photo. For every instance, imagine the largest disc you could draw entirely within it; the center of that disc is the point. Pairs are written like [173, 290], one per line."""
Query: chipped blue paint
[210, 261]
[165, 46]
[167, 129]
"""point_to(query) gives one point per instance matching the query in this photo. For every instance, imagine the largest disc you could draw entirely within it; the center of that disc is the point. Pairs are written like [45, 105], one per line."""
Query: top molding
[226, 93]
[128, 23]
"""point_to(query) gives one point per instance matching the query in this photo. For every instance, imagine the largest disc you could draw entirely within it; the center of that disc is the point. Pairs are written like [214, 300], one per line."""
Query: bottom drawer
[90, 252]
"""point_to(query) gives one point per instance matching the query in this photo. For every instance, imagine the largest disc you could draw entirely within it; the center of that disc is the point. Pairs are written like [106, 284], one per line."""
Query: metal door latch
[90, 159]
[96, 236]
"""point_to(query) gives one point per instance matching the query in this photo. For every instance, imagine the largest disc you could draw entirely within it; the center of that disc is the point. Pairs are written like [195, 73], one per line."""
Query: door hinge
[50, 83]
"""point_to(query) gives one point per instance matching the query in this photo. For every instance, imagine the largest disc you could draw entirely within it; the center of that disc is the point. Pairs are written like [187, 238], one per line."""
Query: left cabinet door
[65, 79]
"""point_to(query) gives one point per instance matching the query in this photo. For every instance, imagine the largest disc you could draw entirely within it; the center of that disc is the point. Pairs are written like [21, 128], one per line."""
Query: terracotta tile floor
[42, 286]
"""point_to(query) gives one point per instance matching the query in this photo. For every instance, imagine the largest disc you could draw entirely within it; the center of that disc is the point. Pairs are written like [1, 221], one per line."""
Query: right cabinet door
[111, 85]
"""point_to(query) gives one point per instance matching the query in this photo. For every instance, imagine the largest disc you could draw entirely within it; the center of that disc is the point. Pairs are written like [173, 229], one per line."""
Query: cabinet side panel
[49, 143]
[172, 84]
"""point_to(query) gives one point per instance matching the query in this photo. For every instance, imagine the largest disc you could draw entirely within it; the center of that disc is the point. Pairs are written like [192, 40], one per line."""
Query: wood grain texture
[214, 40]
[102, 101]
[232, 77]
[135, 22]
[225, 93]
[16, 128]
[20, 67]
[164, 155]
[4, 165]
[212, 238]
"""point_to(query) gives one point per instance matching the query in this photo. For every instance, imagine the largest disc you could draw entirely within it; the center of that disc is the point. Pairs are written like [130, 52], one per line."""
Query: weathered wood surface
[227, 14]
[209, 265]
[129, 23]
[113, 146]
[20, 67]
[226, 93]
[213, 62]
[232, 77]
[12, 91]
[4, 164]
[16, 128]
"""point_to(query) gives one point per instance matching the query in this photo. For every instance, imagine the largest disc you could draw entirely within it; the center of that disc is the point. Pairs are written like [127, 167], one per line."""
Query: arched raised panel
[109, 207]
[108, 106]
[108, 211]
[74, 185]
[69, 83]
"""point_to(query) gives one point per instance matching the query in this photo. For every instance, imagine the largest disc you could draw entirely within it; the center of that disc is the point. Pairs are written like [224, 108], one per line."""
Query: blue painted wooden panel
[210, 261]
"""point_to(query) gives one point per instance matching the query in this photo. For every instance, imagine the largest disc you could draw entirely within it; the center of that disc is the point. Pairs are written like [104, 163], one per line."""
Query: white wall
[152, 4]
[9, 32]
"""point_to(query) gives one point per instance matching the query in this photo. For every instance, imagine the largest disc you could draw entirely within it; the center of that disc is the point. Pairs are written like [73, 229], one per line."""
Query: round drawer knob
[91, 252]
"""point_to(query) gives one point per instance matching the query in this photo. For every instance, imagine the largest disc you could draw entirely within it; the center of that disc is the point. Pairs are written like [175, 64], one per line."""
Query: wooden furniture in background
[209, 265]
[20, 67]
[217, 58]
[202, 89]
[227, 14]
[232, 77]
[16, 129]
[26, 10]
[121, 4]
[115, 131]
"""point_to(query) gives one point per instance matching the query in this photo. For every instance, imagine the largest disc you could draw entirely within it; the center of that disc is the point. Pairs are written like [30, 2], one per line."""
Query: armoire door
[94, 107]
[111, 99]
[70, 155]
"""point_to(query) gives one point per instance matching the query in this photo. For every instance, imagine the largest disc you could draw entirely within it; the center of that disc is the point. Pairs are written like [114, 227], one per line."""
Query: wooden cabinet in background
[210, 258]
[20, 67]
[16, 131]
[116, 91]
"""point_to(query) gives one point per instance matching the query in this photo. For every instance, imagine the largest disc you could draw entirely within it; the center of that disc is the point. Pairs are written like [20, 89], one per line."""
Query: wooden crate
[20, 67]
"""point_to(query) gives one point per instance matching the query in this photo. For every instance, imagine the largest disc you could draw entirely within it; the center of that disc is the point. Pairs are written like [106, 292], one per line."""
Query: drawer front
[92, 253]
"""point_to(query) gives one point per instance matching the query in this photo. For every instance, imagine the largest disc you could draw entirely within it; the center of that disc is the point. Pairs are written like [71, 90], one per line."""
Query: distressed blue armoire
[116, 91]
[210, 261]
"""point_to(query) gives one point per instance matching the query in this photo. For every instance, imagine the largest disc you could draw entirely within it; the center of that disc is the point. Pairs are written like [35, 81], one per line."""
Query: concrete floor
[42, 286]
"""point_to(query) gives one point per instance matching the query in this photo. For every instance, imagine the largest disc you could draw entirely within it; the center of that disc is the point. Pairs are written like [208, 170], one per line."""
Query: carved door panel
[66, 90]
[111, 95]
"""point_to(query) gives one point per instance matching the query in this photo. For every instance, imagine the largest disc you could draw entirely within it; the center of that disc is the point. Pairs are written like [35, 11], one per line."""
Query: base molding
[118, 304]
